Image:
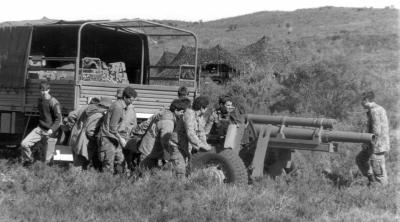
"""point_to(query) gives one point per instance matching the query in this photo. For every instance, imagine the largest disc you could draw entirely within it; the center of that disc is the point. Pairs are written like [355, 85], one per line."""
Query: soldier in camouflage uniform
[194, 123]
[371, 159]
[156, 143]
[189, 134]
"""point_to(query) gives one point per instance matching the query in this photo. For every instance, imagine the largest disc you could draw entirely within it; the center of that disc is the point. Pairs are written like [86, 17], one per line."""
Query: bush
[326, 88]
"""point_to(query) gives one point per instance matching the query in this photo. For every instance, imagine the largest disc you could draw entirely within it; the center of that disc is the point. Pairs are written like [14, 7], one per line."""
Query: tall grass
[45, 193]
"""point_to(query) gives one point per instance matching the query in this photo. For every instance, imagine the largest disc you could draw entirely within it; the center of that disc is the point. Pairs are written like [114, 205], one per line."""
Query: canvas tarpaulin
[14, 46]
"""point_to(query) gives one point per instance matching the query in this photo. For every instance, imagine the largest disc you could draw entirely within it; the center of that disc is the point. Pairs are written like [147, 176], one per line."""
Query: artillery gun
[242, 152]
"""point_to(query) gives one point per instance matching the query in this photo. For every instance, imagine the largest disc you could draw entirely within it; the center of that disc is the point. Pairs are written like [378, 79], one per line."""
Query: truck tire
[227, 165]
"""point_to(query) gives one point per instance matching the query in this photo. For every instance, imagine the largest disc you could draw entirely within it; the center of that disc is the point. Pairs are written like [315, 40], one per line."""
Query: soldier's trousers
[35, 136]
[283, 158]
[372, 165]
[110, 154]
[178, 161]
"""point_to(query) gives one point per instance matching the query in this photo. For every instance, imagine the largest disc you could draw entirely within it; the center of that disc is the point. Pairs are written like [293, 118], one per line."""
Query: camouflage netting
[215, 55]
[165, 60]
[254, 51]
[264, 53]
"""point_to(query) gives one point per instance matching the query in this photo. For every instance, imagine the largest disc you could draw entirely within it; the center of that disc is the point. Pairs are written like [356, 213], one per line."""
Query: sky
[186, 10]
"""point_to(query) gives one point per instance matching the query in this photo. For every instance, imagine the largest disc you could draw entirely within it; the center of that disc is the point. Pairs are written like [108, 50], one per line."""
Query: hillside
[236, 32]
[359, 44]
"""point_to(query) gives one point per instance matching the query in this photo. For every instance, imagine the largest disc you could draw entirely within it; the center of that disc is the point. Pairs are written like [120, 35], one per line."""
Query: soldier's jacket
[214, 119]
[378, 124]
[218, 121]
[194, 126]
[141, 129]
[85, 128]
[157, 137]
[128, 122]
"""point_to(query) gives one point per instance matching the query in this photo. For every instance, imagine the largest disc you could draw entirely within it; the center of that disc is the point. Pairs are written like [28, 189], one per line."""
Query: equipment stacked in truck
[93, 69]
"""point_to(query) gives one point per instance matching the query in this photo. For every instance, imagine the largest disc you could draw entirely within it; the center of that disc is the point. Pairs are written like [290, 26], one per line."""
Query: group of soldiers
[106, 136]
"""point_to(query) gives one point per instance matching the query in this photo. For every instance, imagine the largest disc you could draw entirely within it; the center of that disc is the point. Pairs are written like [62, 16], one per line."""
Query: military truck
[81, 60]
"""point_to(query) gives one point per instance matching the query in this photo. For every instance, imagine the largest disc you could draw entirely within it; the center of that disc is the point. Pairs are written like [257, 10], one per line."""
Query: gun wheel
[224, 167]
[216, 173]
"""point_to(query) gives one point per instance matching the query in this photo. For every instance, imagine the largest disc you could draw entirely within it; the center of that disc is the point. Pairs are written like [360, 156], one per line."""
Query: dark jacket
[85, 128]
[112, 120]
[49, 114]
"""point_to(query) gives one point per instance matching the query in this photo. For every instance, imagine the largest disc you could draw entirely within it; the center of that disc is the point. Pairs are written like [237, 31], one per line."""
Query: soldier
[83, 134]
[49, 122]
[183, 92]
[371, 159]
[220, 118]
[130, 120]
[195, 124]
[156, 141]
[110, 140]
[189, 134]
[128, 123]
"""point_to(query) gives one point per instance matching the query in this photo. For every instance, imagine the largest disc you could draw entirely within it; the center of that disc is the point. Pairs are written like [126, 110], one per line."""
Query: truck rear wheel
[226, 166]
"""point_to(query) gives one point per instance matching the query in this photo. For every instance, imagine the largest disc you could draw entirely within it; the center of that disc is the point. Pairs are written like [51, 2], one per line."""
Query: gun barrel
[296, 121]
[326, 135]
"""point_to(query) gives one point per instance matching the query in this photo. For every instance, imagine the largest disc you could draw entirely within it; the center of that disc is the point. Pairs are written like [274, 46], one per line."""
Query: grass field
[43, 193]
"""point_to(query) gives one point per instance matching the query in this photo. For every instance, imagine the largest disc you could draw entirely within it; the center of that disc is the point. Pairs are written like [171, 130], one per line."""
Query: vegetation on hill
[317, 22]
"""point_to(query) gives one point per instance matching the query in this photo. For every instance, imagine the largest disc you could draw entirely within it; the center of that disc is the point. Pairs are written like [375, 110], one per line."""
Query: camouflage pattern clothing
[371, 159]
[156, 139]
[129, 121]
[110, 150]
[83, 135]
[188, 134]
[378, 124]
[141, 129]
[179, 153]
[195, 130]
